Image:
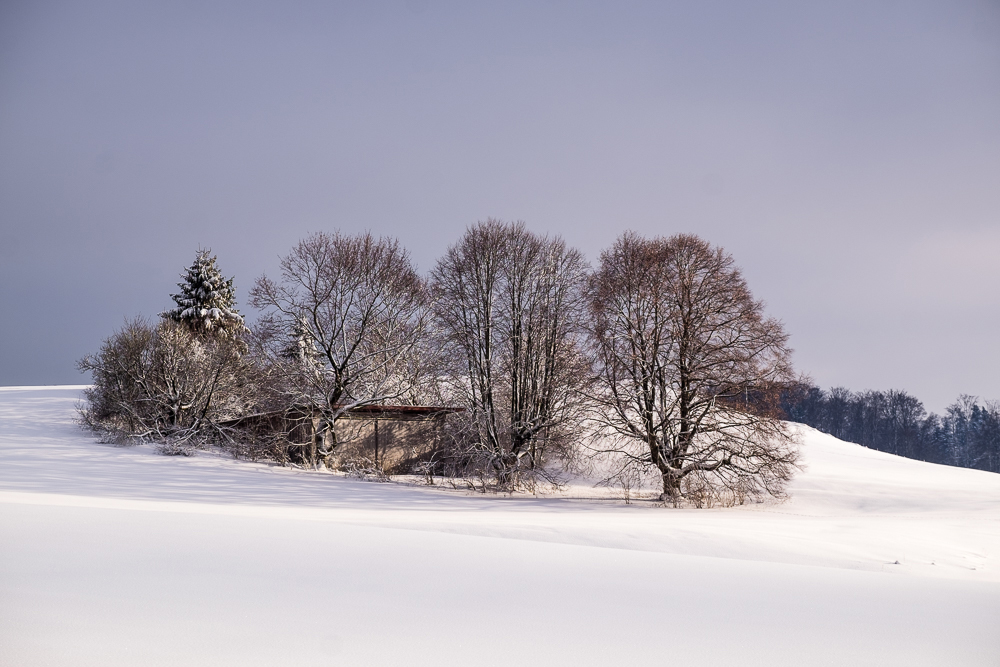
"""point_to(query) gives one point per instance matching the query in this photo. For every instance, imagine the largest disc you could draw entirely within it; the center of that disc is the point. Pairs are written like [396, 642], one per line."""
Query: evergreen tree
[967, 435]
[207, 300]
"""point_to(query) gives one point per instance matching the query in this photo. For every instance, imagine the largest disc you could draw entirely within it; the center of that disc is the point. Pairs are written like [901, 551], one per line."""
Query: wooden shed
[391, 437]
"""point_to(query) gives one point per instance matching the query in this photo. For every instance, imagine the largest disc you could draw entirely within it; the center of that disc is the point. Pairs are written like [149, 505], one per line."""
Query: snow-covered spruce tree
[207, 300]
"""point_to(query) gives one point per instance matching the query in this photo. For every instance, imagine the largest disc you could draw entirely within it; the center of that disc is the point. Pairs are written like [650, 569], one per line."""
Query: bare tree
[165, 383]
[345, 322]
[509, 307]
[680, 345]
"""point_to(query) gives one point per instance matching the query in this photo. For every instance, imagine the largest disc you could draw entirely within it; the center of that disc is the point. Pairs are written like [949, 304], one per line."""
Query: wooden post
[376, 443]
[314, 439]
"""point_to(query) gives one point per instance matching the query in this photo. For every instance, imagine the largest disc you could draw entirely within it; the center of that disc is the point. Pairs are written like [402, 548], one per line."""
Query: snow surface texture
[120, 556]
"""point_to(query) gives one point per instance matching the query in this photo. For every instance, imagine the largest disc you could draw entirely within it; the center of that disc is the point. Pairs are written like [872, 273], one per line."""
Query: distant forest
[967, 435]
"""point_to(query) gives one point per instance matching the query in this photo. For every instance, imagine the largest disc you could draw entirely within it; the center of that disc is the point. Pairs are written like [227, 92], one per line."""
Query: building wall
[401, 443]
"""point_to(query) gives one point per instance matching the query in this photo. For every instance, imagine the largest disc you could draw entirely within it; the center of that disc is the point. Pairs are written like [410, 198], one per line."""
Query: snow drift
[120, 556]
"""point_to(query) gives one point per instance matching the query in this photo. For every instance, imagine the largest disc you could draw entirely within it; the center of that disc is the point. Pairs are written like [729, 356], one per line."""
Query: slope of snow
[120, 556]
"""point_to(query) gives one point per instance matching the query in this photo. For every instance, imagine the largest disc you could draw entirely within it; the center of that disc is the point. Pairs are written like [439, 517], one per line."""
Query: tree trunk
[671, 487]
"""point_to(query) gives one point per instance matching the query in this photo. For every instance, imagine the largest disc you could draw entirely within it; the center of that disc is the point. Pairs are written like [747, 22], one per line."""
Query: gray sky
[846, 153]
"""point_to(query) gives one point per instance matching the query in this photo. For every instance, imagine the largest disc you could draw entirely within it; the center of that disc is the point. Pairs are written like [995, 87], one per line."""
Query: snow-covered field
[115, 556]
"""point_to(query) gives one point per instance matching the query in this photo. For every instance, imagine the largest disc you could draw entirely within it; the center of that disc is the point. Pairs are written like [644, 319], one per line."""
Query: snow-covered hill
[119, 556]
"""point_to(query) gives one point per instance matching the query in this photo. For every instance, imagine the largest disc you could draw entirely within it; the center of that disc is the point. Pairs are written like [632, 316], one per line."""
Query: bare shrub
[163, 383]
[365, 468]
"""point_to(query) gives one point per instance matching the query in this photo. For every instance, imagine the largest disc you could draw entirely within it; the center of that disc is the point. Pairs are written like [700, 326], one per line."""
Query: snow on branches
[207, 300]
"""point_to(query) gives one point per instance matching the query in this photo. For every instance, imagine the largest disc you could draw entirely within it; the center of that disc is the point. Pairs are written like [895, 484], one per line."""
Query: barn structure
[393, 438]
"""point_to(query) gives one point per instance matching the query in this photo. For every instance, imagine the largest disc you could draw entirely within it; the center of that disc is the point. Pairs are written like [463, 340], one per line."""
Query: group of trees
[967, 435]
[659, 357]
[177, 378]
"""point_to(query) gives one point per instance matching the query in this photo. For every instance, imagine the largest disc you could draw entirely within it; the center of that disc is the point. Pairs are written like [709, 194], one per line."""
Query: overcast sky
[846, 153]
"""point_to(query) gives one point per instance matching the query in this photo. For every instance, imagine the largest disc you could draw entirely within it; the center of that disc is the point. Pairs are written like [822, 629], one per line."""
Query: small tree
[206, 303]
[680, 347]
[509, 307]
[163, 382]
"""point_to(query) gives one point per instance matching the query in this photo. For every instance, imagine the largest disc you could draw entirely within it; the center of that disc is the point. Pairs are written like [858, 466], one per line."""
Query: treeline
[532, 351]
[967, 435]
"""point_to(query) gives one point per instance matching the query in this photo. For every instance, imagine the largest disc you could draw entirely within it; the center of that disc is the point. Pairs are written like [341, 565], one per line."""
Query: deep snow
[115, 556]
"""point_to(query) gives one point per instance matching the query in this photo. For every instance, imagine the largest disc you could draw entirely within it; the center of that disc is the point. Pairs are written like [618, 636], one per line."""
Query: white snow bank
[120, 556]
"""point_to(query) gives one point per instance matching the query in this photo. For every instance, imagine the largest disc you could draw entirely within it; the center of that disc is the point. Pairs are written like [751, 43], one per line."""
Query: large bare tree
[346, 320]
[680, 345]
[509, 305]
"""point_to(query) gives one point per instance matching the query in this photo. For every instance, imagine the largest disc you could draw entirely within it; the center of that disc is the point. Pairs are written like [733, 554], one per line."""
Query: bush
[164, 383]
